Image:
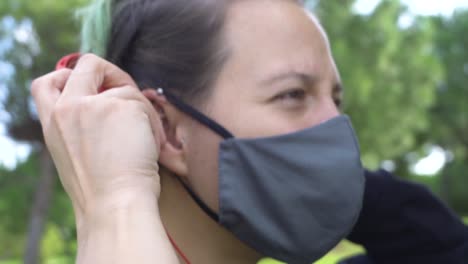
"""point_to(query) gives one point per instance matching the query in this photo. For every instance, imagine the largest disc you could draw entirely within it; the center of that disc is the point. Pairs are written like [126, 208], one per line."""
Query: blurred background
[404, 65]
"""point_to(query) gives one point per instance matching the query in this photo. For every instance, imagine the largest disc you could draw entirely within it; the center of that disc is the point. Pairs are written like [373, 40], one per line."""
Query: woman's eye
[296, 95]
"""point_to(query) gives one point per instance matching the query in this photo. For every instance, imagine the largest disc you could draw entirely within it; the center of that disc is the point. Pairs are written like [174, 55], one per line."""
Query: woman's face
[279, 78]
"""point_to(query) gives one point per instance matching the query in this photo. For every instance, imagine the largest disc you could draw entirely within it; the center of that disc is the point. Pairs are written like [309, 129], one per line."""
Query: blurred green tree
[449, 116]
[16, 188]
[34, 34]
[389, 73]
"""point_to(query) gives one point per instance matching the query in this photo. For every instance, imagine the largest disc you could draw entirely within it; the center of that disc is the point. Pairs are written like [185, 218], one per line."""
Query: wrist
[111, 210]
[123, 230]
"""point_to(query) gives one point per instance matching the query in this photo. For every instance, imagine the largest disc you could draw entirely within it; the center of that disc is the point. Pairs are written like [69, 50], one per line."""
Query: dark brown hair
[175, 44]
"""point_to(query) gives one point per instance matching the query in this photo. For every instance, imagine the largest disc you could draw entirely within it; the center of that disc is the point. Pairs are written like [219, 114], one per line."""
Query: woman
[235, 148]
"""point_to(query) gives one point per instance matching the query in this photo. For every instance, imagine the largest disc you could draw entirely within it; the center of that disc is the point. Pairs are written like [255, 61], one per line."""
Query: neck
[201, 239]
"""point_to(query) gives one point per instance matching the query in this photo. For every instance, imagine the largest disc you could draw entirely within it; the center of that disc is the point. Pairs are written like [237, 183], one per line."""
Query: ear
[173, 150]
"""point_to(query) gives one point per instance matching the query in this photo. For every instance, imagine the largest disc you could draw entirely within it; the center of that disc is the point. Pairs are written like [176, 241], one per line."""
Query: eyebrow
[306, 78]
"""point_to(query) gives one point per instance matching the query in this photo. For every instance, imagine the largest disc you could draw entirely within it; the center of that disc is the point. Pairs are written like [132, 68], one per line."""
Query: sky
[11, 152]
[420, 7]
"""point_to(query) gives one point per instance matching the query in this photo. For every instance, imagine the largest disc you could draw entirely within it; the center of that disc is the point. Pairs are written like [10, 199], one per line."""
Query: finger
[132, 93]
[152, 96]
[46, 91]
[91, 73]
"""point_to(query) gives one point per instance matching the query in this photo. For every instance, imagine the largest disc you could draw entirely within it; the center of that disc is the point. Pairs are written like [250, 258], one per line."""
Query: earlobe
[173, 150]
[173, 159]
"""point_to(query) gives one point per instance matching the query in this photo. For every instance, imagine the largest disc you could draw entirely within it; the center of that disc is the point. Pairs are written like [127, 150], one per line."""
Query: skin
[280, 77]
[114, 190]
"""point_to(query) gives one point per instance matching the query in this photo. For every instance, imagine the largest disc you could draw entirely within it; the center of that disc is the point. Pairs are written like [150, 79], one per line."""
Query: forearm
[126, 231]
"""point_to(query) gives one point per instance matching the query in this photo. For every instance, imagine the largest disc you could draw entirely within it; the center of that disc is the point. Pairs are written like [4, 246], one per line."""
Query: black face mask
[292, 197]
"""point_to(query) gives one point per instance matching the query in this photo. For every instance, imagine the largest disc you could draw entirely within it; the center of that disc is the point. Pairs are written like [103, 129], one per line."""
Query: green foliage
[54, 34]
[455, 181]
[344, 250]
[449, 127]
[52, 243]
[16, 190]
[51, 33]
[388, 72]
[450, 114]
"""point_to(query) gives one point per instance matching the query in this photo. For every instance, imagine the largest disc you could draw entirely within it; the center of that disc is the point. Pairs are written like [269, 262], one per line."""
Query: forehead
[277, 35]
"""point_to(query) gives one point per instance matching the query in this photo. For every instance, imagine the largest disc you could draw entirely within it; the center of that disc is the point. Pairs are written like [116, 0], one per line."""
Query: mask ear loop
[212, 214]
[210, 124]
[195, 114]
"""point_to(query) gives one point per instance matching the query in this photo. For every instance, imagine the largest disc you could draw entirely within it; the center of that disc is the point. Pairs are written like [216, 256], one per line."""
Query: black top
[403, 223]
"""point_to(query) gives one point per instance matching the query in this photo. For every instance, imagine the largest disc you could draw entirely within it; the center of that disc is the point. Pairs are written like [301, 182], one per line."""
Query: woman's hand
[105, 147]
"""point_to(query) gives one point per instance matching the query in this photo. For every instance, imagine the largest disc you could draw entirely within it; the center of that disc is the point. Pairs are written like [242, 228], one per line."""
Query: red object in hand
[68, 61]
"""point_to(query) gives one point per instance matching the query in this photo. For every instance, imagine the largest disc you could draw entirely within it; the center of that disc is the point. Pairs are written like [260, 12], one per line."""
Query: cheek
[202, 161]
